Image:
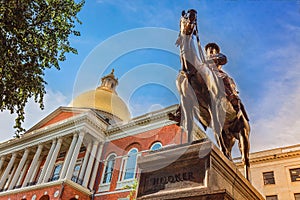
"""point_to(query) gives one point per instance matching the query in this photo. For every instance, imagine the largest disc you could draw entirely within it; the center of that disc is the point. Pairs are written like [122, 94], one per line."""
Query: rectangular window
[76, 172]
[297, 196]
[295, 174]
[56, 172]
[269, 178]
[272, 197]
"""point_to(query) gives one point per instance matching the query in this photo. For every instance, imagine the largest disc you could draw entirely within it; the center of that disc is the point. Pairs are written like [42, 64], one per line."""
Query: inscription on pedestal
[172, 178]
[176, 175]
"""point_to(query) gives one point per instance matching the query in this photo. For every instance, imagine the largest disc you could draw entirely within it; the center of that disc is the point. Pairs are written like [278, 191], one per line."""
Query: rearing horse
[202, 96]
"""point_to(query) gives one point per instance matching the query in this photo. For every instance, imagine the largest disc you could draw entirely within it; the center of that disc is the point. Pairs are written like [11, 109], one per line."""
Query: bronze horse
[202, 96]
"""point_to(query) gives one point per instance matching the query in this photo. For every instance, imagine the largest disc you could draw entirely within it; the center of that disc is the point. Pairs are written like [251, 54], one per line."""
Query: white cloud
[53, 99]
[277, 120]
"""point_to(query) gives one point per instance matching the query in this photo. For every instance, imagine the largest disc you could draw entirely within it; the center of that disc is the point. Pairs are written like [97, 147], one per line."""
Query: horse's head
[188, 22]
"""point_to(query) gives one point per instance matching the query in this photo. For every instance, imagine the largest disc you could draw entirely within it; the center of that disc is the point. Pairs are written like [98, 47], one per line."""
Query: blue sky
[261, 39]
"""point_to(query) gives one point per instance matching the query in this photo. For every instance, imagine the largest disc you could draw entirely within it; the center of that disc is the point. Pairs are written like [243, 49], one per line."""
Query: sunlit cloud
[277, 119]
[53, 99]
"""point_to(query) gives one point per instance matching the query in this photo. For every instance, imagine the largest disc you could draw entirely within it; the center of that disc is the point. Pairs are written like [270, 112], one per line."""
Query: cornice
[54, 113]
[31, 188]
[78, 187]
[138, 129]
[276, 157]
[142, 120]
[150, 121]
[269, 158]
[45, 185]
[87, 122]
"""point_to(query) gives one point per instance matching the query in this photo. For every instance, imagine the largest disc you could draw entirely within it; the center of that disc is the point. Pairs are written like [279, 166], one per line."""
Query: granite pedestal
[197, 171]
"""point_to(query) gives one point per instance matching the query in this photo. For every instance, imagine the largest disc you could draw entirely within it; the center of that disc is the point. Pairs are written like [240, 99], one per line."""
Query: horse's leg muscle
[244, 145]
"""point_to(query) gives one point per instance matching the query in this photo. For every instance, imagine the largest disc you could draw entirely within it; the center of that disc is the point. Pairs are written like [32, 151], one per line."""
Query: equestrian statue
[208, 94]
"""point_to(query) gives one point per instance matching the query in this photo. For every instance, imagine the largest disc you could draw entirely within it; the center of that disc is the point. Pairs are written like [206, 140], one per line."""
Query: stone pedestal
[198, 171]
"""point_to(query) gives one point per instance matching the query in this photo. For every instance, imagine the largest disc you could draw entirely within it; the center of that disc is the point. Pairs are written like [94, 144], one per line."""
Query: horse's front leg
[187, 118]
[187, 106]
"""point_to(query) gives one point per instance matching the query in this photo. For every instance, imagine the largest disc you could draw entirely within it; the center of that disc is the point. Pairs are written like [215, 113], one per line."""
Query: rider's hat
[212, 45]
[192, 10]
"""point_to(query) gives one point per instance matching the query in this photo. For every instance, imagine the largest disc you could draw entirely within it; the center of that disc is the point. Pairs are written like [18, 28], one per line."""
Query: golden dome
[104, 98]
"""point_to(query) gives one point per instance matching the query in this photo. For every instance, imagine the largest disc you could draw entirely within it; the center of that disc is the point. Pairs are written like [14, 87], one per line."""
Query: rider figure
[215, 57]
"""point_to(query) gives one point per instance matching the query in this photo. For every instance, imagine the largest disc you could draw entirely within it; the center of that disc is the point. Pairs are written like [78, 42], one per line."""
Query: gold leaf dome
[104, 98]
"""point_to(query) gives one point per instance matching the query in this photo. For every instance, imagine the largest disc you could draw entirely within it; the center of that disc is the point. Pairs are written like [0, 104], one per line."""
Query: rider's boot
[236, 104]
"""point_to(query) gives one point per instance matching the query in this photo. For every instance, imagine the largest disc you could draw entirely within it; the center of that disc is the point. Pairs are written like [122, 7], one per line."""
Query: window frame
[272, 196]
[122, 182]
[135, 164]
[267, 179]
[155, 143]
[297, 176]
[104, 187]
[76, 178]
[295, 196]
[105, 167]
[52, 174]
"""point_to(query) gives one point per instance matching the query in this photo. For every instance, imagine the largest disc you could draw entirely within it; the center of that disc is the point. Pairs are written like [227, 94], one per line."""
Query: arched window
[131, 164]
[155, 146]
[45, 197]
[109, 167]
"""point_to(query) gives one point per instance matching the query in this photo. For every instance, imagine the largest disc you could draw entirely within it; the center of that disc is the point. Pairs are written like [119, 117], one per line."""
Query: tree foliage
[34, 35]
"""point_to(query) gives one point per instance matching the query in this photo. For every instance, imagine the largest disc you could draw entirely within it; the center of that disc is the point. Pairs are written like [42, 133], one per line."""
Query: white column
[47, 161]
[32, 165]
[18, 170]
[35, 171]
[96, 165]
[52, 161]
[75, 156]
[23, 173]
[2, 162]
[90, 164]
[85, 162]
[11, 176]
[7, 170]
[68, 157]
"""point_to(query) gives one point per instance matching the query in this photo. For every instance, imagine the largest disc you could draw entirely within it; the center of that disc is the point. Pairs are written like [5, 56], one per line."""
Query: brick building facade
[87, 150]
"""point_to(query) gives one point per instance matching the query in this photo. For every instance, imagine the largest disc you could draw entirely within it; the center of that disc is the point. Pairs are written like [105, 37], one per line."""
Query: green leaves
[34, 35]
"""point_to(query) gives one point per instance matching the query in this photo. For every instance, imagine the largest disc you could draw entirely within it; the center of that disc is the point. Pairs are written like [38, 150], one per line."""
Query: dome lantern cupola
[109, 82]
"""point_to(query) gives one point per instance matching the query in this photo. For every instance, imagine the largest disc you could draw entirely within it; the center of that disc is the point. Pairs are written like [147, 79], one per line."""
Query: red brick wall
[38, 192]
[166, 135]
[60, 117]
[70, 192]
[67, 193]
[114, 196]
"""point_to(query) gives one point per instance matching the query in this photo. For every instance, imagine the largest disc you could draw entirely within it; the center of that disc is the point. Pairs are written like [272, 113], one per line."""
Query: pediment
[60, 114]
